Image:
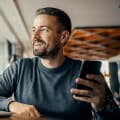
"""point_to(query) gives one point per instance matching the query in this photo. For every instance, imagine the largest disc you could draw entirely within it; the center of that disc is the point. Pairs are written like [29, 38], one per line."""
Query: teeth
[37, 43]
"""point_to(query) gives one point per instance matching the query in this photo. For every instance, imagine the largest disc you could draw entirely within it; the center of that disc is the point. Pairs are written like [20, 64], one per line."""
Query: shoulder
[74, 61]
[25, 61]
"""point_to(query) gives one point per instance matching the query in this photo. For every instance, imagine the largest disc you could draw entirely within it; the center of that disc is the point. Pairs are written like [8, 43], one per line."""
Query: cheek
[51, 39]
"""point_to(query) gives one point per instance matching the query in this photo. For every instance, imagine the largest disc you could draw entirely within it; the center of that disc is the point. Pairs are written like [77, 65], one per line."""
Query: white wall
[3, 56]
[116, 58]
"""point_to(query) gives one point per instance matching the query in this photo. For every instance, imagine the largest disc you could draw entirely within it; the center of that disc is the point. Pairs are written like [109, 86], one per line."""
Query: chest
[50, 93]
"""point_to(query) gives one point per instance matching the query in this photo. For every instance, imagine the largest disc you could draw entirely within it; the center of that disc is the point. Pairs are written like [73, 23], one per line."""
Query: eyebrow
[42, 27]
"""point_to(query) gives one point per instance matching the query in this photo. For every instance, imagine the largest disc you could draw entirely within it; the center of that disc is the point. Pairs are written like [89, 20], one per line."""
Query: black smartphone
[88, 67]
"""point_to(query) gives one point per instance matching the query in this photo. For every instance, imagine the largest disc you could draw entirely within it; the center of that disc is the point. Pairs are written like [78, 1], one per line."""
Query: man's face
[45, 36]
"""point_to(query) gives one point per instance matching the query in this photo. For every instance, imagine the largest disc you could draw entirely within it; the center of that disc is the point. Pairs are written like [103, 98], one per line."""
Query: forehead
[44, 19]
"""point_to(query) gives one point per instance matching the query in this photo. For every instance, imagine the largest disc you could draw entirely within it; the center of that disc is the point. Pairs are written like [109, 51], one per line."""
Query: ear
[64, 37]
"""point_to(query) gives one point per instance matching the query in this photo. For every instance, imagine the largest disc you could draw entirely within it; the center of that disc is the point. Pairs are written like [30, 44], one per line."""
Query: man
[45, 85]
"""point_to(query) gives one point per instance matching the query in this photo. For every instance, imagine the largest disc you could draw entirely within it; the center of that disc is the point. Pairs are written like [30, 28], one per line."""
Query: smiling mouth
[38, 43]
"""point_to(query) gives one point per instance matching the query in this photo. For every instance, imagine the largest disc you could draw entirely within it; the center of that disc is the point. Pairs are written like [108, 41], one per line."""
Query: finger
[85, 99]
[33, 112]
[87, 83]
[97, 89]
[37, 114]
[79, 92]
[99, 78]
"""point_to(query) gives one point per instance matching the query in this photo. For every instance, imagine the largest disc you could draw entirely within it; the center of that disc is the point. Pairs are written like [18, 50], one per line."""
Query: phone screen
[88, 67]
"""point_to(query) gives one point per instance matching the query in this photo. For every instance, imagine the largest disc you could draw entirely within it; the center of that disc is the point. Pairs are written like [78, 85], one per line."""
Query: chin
[38, 53]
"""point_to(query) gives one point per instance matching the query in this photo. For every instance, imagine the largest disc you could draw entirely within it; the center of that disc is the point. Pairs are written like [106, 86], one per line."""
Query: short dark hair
[61, 16]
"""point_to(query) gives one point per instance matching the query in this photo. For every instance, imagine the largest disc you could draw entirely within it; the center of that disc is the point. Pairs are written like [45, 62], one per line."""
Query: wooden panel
[93, 43]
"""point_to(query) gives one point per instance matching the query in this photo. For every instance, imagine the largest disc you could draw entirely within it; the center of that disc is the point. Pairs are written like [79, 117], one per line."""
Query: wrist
[100, 106]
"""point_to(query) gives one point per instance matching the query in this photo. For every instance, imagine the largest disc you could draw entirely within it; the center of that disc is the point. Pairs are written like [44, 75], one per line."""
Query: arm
[7, 86]
[110, 109]
[100, 97]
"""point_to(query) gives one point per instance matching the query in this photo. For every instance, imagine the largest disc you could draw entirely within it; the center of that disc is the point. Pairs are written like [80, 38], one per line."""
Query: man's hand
[96, 96]
[20, 108]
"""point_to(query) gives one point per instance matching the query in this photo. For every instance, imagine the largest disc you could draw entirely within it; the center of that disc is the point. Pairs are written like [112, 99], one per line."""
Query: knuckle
[31, 107]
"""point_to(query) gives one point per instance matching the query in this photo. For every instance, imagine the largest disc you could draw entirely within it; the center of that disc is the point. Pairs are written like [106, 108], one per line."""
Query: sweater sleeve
[7, 86]
[110, 110]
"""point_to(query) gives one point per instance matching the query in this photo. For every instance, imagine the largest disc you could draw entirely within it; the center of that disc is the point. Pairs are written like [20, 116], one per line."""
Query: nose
[35, 35]
[36, 32]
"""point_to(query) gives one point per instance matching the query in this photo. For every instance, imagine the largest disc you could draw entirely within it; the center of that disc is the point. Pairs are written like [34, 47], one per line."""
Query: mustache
[38, 40]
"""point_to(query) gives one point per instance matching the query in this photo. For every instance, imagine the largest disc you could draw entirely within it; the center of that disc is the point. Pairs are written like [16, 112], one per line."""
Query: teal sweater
[47, 89]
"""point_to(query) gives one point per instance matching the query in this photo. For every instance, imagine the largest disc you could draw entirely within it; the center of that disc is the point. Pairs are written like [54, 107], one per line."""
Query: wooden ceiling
[93, 43]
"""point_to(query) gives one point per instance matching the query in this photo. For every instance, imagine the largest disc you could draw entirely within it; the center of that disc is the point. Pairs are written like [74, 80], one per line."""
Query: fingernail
[87, 75]
[77, 80]
[71, 90]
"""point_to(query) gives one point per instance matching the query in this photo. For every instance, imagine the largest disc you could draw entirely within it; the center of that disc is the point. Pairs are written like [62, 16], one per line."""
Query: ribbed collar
[66, 65]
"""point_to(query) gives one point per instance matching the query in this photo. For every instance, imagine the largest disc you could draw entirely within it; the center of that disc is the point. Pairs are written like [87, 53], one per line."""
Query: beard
[43, 51]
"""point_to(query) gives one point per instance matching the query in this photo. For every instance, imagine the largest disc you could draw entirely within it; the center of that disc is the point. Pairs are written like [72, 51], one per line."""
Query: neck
[53, 62]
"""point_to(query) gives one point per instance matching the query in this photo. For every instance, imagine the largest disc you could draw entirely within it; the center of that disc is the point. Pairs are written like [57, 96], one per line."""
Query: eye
[33, 30]
[44, 29]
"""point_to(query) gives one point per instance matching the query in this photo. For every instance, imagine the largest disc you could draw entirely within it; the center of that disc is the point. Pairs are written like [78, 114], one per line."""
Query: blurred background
[95, 32]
